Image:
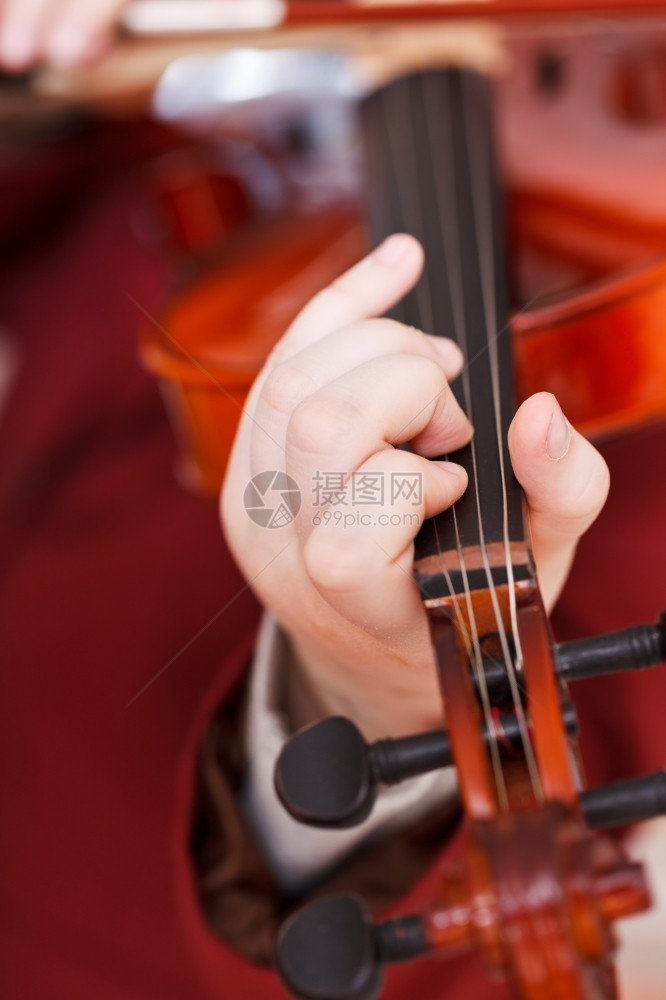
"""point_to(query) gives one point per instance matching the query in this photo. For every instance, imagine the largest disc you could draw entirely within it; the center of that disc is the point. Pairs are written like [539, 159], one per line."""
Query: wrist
[384, 697]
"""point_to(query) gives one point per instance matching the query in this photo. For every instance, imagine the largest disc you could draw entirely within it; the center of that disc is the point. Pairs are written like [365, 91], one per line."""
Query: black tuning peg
[332, 950]
[327, 775]
[323, 775]
[633, 648]
[625, 801]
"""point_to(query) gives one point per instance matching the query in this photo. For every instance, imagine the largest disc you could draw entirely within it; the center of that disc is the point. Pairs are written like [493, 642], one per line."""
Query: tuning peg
[625, 801]
[633, 648]
[327, 775]
[332, 950]
[323, 775]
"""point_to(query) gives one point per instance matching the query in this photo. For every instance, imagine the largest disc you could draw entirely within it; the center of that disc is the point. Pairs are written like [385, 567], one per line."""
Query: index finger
[21, 26]
[368, 289]
[81, 31]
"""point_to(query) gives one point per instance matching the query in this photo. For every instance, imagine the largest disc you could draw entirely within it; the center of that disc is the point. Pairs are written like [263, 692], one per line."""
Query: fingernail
[559, 434]
[391, 250]
[453, 469]
[448, 351]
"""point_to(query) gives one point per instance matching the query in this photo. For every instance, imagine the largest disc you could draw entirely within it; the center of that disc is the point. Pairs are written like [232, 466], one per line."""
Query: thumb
[565, 480]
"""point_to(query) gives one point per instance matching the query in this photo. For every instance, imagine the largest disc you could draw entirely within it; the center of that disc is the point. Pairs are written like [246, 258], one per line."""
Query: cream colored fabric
[297, 854]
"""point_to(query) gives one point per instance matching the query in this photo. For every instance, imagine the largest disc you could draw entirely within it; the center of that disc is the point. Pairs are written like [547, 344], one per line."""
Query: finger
[22, 23]
[380, 404]
[347, 348]
[359, 552]
[81, 31]
[565, 481]
[290, 383]
[370, 288]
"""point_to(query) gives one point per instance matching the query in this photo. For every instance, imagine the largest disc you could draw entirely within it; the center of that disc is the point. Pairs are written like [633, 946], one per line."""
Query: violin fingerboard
[430, 157]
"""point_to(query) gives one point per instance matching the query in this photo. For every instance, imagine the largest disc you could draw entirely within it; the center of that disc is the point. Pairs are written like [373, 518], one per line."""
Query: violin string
[448, 226]
[409, 195]
[485, 250]
[410, 212]
[479, 160]
[411, 209]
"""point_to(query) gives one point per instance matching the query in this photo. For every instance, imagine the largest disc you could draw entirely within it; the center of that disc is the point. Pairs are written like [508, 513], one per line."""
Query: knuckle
[406, 339]
[339, 292]
[413, 336]
[451, 418]
[431, 375]
[280, 353]
[285, 387]
[446, 409]
[321, 425]
[446, 425]
[336, 299]
[333, 562]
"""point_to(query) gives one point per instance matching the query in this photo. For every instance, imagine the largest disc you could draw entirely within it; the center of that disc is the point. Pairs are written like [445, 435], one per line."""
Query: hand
[339, 391]
[62, 32]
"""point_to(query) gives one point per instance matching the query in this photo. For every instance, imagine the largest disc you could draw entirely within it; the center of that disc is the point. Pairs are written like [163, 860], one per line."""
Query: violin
[538, 888]
[537, 892]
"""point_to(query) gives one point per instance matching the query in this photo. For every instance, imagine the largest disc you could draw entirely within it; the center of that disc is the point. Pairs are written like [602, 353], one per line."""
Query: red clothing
[112, 577]
[109, 569]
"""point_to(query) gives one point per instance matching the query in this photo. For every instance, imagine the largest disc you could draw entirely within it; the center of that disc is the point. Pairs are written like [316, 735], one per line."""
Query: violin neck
[431, 162]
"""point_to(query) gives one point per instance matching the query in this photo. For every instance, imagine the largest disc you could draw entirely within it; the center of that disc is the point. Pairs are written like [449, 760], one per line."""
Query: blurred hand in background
[61, 32]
